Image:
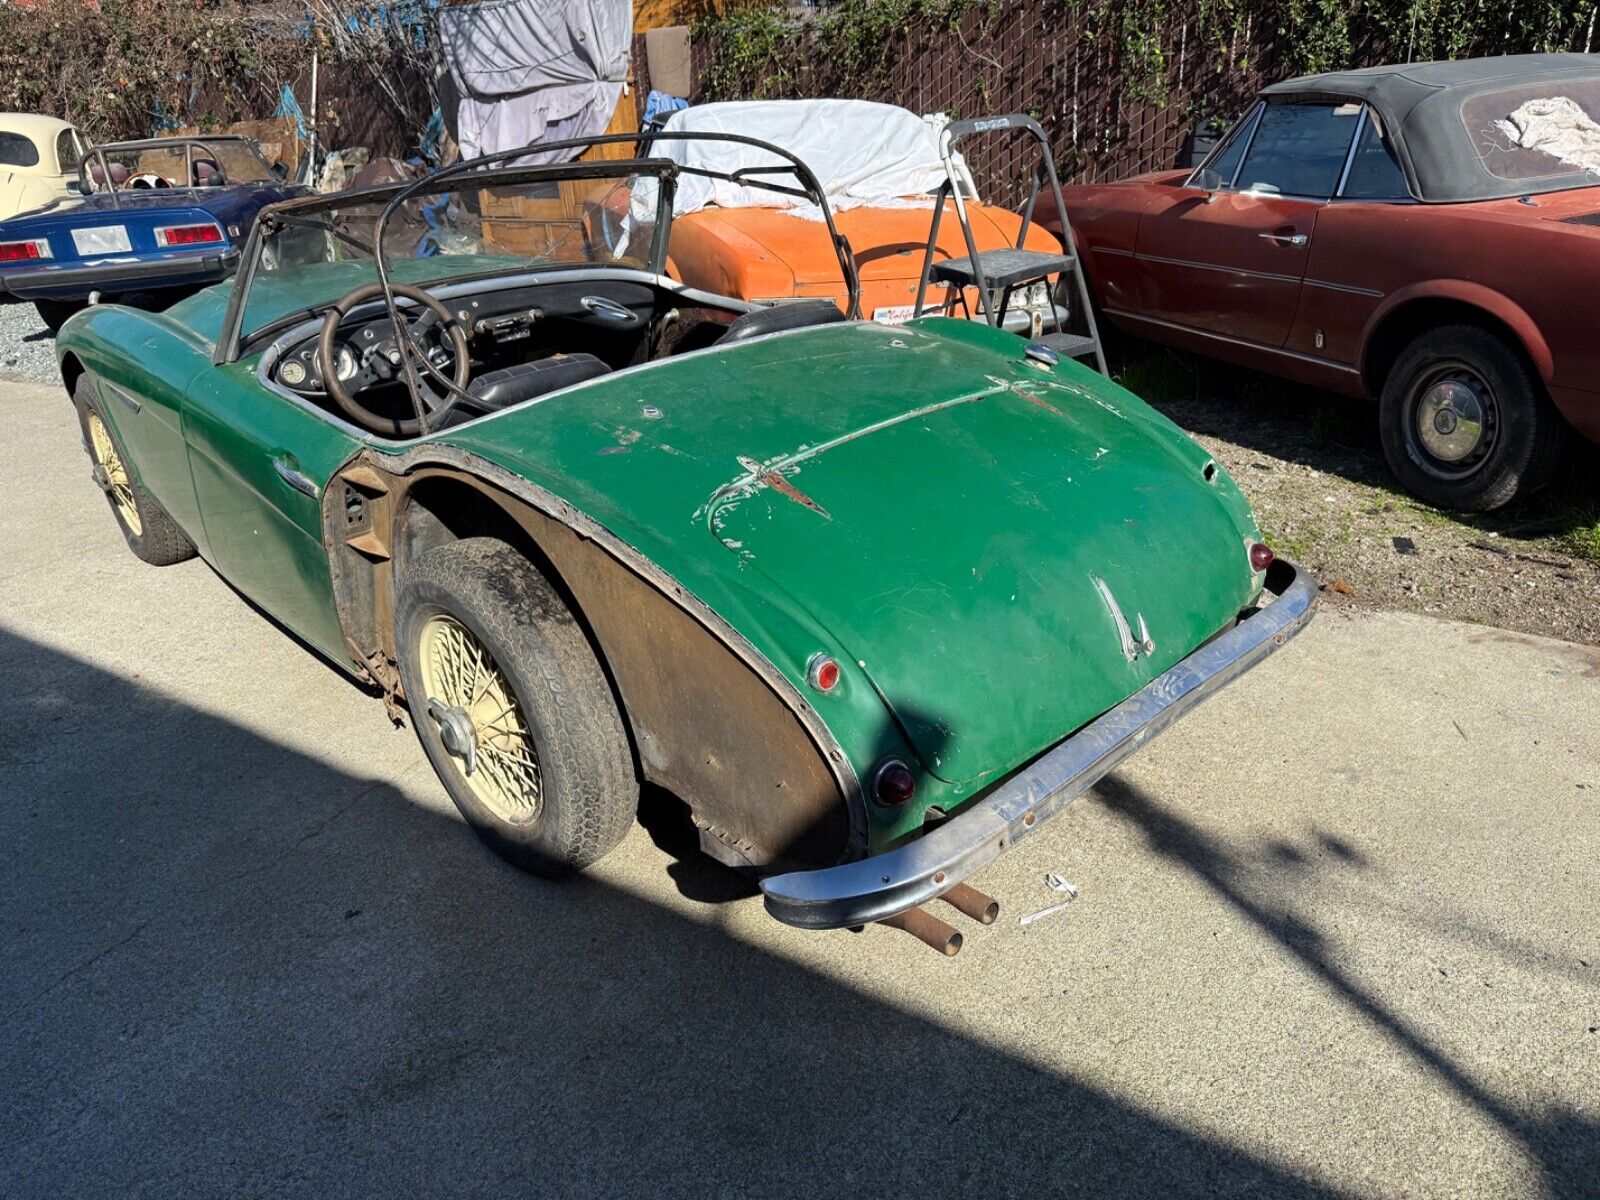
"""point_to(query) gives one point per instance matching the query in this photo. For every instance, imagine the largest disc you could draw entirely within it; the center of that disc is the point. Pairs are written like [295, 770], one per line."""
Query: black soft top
[1441, 118]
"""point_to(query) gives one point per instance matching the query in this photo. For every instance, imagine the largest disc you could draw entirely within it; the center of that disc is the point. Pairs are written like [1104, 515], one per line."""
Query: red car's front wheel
[1466, 425]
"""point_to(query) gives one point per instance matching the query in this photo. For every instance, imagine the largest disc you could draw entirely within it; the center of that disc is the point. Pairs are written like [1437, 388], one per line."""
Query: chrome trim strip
[1344, 287]
[1350, 153]
[298, 480]
[127, 398]
[1138, 318]
[873, 888]
[1184, 262]
[1255, 127]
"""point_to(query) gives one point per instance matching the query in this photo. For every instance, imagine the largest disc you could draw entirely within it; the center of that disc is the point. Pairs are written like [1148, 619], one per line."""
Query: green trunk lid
[976, 549]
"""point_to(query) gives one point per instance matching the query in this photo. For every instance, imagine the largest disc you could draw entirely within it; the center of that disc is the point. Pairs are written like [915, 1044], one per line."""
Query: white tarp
[860, 152]
[535, 70]
[1558, 126]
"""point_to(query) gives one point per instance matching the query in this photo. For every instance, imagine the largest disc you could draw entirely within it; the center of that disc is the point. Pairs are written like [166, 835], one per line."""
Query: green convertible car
[874, 602]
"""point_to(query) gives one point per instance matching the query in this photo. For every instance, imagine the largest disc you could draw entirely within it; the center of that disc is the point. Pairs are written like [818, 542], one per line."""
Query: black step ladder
[996, 275]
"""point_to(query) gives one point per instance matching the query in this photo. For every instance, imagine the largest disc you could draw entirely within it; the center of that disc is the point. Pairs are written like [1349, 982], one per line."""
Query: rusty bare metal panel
[706, 726]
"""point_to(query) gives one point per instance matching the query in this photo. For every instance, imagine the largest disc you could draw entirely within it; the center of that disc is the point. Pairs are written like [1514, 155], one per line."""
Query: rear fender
[1461, 291]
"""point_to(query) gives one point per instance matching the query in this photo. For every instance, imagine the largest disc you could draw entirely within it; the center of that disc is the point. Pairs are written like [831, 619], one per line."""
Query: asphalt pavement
[1337, 935]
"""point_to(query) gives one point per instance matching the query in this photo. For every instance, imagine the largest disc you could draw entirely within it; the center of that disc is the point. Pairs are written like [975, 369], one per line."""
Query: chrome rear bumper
[871, 889]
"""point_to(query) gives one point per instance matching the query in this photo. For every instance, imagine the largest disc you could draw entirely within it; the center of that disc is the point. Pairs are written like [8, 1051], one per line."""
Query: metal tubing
[966, 899]
[927, 929]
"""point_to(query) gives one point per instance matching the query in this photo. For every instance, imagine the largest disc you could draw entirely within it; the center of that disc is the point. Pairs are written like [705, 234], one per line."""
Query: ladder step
[1002, 268]
[1068, 345]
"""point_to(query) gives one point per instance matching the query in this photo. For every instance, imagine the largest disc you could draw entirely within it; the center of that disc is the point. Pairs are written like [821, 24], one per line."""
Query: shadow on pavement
[1565, 1145]
[233, 968]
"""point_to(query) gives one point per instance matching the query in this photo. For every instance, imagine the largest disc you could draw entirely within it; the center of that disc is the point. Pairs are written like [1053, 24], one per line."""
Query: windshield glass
[312, 255]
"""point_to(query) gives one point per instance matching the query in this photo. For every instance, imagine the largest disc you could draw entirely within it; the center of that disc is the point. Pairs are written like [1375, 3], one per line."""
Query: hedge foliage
[761, 49]
[129, 66]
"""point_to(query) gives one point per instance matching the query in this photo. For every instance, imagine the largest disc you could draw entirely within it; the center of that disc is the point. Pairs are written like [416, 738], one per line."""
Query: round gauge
[293, 373]
[345, 367]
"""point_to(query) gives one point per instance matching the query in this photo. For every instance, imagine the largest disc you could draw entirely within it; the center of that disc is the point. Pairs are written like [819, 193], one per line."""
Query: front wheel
[512, 707]
[152, 535]
[1465, 424]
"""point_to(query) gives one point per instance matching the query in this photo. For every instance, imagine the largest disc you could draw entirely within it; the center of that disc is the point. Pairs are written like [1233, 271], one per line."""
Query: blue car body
[65, 273]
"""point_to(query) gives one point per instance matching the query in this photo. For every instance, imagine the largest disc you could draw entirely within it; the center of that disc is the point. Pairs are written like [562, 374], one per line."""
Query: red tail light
[893, 783]
[24, 251]
[188, 235]
[1261, 556]
[823, 673]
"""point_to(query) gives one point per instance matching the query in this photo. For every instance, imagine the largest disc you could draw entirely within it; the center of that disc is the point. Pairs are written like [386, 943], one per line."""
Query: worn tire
[588, 789]
[54, 313]
[157, 539]
[1529, 434]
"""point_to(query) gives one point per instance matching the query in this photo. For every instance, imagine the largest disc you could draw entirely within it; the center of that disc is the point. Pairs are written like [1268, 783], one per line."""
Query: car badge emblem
[1132, 646]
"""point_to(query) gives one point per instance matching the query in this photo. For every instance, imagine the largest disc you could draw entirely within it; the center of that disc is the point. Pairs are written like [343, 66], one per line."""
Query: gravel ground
[1313, 468]
[27, 348]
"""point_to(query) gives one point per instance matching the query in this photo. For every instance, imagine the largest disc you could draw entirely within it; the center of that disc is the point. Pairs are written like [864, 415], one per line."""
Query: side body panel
[1530, 267]
[260, 463]
[144, 365]
[1526, 265]
[1223, 264]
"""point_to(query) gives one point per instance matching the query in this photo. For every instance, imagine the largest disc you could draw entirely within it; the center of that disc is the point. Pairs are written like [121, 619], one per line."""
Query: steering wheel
[433, 313]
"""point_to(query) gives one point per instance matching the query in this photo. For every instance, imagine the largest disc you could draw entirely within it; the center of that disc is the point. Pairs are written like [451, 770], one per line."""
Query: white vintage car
[38, 161]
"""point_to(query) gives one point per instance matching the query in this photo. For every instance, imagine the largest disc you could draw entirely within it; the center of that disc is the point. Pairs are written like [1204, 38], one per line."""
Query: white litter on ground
[1559, 127]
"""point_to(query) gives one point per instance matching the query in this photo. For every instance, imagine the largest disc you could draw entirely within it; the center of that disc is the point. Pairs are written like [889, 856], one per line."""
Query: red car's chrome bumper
[871, 889]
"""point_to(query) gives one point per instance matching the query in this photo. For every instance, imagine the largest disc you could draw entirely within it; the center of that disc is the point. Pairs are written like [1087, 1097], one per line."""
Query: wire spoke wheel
[117, 484]
[480, 720]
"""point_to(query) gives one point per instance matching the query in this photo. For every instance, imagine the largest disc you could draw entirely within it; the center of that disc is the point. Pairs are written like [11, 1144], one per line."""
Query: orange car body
[768, 254]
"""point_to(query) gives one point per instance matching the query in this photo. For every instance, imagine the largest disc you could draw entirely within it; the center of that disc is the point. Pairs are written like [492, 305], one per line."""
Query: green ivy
[762, 50]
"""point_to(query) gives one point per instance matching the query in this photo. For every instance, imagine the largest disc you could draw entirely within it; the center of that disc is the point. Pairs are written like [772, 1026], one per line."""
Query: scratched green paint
[920, 502]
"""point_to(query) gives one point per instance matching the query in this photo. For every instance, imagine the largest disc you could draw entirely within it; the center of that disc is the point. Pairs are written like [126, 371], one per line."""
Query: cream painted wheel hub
[480, 723]
[112, 475]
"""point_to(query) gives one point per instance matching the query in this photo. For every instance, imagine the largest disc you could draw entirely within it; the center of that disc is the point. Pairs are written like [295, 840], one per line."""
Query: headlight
[1037, 297]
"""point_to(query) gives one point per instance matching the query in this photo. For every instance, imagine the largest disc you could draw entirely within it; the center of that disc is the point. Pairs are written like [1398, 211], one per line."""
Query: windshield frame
[413, 360]
[98, 154]
[233, 337]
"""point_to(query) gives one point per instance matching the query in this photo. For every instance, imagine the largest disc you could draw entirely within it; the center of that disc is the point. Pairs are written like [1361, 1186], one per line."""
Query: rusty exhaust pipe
[928, 929]
[965, 898]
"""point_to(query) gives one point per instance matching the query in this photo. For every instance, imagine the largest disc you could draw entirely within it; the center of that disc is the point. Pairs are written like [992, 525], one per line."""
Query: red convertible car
[1426, 234]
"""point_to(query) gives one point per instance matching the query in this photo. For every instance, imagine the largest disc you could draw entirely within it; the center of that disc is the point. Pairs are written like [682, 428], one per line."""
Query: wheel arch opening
[71, 372]
[1414, 318]
[439, 509]
[702, 723]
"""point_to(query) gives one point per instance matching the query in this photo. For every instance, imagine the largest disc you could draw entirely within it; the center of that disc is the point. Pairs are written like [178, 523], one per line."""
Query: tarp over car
[535, 70]
[861, 153]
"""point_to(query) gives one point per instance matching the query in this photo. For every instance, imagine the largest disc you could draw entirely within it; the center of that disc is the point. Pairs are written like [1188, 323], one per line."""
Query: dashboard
[607, 318]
